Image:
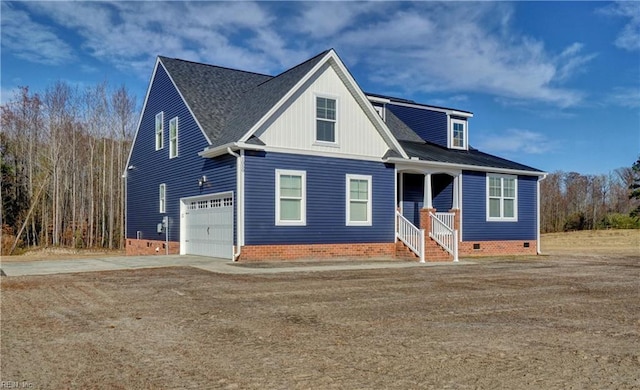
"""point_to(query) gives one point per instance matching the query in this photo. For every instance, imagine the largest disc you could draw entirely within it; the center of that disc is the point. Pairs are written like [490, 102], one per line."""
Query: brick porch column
[425, 221]
[456, 219]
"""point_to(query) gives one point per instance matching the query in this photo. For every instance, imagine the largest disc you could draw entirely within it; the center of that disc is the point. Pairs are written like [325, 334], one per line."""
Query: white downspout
[239, 201]
[538, 248]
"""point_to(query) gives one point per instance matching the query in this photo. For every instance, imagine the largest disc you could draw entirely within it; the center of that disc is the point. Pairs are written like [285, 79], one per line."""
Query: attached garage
[206, 225]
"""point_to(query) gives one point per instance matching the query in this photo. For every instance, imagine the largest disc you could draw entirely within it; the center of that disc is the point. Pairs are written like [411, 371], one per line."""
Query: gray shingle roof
[211, 91]
[228, 102]
[431, 152]
[399, 129]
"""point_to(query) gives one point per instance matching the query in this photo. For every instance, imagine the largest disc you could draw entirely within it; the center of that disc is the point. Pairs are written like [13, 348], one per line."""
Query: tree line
[63, 153]
[573, 201]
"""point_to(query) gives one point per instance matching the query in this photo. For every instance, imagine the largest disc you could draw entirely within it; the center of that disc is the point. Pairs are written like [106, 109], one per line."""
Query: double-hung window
[159, 130]
[162, 195]
[358, 197]
[458, 134]
[173, 137]
[325, 119]
[291, 197]
[502, 197]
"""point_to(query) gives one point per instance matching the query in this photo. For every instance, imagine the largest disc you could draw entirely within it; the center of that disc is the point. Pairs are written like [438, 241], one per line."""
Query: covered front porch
[428, 212]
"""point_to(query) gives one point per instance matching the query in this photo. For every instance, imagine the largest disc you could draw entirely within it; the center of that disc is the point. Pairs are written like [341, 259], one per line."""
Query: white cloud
[31, 41]
[628, 97]
[513, 141]
[428, 48]
[405, 47]
[629, 37]
[130, 34]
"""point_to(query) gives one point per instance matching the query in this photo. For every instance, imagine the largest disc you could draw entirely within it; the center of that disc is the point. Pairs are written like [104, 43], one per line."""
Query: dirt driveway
[549, 322]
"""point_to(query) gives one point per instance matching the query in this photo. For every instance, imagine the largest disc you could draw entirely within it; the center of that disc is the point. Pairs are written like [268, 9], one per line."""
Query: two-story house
[245, 166]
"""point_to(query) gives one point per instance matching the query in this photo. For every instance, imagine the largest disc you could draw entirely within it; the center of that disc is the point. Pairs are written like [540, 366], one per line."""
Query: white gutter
[421, 164]
[222, 149]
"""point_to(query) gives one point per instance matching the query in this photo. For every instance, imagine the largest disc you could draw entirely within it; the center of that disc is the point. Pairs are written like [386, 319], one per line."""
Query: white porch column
[427, 202]
[455, 203]
[400, 192]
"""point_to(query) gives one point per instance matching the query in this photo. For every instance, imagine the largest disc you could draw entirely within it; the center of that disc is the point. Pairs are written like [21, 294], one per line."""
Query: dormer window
[458, 134]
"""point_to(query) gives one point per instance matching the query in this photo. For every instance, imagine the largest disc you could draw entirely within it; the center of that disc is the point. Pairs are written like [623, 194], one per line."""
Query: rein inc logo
[16, 385]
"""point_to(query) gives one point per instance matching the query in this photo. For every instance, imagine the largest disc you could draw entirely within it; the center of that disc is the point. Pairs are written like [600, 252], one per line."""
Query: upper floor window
[325, 119]
[159, 130]
[502, 197]
[358, 200]
[162, 194]
[173, 137]
[458, 134]
[291, 197]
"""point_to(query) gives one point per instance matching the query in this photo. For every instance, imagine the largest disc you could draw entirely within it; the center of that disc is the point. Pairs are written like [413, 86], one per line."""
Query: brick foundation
[135, 247]
[497, 248]
[395, 250]
[316, 251]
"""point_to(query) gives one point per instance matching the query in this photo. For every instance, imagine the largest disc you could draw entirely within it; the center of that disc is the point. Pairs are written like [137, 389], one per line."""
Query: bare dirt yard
[568, 320]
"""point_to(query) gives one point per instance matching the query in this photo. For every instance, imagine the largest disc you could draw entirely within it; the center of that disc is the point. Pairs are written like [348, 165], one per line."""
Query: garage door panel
[209, 225]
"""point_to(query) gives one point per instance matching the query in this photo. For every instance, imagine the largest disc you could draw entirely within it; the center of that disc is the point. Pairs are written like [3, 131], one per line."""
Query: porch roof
[427, 151]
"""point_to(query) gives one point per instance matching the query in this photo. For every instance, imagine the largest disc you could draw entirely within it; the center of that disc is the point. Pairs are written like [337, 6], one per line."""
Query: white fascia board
[319, 153]
[431, 108]
[217, 151]
[222, 149]
[144, 105]
[422, 164]
[378, 99]
[186, 104]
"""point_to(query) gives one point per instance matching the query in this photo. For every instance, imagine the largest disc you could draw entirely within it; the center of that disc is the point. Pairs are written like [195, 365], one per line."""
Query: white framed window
[358, 195]
[458, 134]
[326, 118]
[502, 197]
[291, 198]
[159, 130]
[162, 195]
[173, 137]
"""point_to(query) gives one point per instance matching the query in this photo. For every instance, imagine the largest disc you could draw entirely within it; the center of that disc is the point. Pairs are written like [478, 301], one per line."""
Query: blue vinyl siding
[152, 167]
[474, 212]
[326, 203]
[412, 197]
[429, 125]
[442, 192]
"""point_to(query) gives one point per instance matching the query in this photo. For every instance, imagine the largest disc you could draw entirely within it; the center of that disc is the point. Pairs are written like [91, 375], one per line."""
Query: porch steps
[433, 252]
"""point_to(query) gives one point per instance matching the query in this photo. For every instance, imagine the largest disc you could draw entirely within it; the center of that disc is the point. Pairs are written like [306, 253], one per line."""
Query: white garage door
[207, 225]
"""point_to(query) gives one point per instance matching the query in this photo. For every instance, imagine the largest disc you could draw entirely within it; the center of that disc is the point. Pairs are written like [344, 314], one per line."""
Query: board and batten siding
[430, 125]
[475, 226]
[294, 125]
[326, 202]
[152, 167]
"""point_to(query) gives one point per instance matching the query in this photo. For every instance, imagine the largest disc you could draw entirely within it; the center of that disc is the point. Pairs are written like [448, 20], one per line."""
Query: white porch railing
[443, 232]
[412, 237]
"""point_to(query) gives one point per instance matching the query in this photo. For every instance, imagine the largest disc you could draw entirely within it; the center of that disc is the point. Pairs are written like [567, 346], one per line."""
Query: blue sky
[555, 85]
